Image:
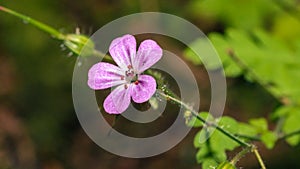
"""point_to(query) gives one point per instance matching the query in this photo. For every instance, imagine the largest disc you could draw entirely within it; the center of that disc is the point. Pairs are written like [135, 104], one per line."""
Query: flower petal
[144, 90]
[123, 50]
[117, 101]
[104, 75]
[148, 54]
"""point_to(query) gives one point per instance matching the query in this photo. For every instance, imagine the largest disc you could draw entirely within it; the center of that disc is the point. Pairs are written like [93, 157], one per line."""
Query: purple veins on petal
[148, 54]
[127, 77]
[144, 89]
[123, 50]
[117, 101]
[104, 75]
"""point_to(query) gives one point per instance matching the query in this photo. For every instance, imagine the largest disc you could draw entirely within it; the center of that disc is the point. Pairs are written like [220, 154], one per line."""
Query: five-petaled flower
[127, 76]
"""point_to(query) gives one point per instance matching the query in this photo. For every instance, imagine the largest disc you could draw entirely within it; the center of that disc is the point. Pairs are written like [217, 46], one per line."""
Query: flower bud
[188, 117]
[79, 44]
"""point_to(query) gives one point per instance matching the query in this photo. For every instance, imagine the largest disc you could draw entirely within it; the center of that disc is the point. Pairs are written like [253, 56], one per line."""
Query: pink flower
[127, 76]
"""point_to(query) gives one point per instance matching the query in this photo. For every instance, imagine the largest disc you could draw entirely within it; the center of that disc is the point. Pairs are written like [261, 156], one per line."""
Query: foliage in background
[259, 41]
[262, 52]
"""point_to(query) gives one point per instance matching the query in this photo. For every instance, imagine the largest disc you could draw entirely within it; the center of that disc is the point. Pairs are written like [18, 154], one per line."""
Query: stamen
[126, 87]
[136, 82]
[130, 75]
[122, 77]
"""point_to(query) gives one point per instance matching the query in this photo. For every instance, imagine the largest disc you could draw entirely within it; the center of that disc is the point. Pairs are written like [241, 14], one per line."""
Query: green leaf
[232, 13]
[203, 153]
[269, 139]
[270, 60]
[228, 124]
[281, 112]
[292, 124]
[220, 142]
[208, 158]
[246, 129]
[213, 144]
[193, 121]
[293, 140]
[226, 165]
[223, 48]
[201, 137]
[288, 33]
[260, 124]
[289, 115]
[220, 156]
[203, 52]
[192, 56]
[209, 163]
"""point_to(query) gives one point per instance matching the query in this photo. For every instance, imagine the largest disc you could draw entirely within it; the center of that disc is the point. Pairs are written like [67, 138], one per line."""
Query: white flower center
[131, 76]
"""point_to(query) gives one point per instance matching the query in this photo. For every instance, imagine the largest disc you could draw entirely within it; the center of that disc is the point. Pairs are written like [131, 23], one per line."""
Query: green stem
[225, 132]
[252, 138]
[281, 136]
[102, 55]
[279, 125]
[194, 113]
[258, 157]
[290, 134]
[74, 40]
[46, 28]
[240, 155]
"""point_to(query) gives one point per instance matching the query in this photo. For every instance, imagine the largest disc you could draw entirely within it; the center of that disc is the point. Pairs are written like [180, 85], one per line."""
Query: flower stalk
[46, 28]
[240, 155]
[76, 43]
[247, 146]
[195, 114]
[258, 157]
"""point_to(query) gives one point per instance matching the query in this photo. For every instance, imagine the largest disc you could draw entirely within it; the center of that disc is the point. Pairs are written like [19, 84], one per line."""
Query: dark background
[38, 125]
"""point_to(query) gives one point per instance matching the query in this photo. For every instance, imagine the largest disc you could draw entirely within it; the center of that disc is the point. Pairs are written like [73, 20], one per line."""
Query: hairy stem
[252, 138]
[240, 155]
[257, 138]
[235, 138]
[258, 157]
[194, 113]
[46, 28]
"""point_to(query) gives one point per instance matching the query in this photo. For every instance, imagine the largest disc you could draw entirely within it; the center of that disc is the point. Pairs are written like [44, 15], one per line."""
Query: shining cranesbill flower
[127, 77]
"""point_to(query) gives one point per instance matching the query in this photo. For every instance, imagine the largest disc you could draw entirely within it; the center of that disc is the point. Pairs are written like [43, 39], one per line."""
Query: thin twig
[252, 138]
[97, 53]
[240, 155]
[194, 113]
[46, 28]
[258, 157]
[290, 134]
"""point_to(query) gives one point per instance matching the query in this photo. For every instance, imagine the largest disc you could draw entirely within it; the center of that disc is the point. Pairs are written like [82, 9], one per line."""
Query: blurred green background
[38, 125]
